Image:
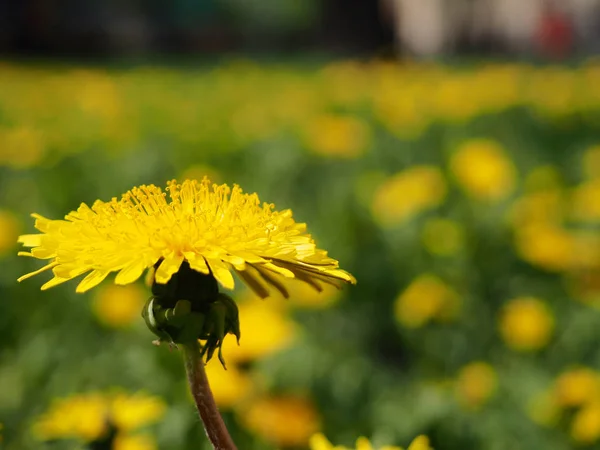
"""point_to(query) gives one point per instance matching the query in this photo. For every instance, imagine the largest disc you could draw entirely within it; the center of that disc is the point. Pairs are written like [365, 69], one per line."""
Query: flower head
[92, 416]
[214, 228]
[526, 324]
[320, 442]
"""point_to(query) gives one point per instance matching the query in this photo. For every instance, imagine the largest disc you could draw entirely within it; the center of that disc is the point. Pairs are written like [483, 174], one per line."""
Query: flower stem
[205, 402]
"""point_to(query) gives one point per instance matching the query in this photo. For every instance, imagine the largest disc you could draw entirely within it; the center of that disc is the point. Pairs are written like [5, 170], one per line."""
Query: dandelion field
[465, 200]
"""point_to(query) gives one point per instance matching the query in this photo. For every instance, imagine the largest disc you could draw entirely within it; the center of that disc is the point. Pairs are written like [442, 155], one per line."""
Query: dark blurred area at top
[421, 28]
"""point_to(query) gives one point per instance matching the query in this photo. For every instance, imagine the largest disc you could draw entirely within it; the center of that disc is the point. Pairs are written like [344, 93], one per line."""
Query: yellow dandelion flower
[285, 421]
[338, 136]
[475, 384]
[267, 329]
[425, 298]
[576, 387]
[540, 207]
[119, 306]
[483, 170]
[545, 245]
[87, 416]
[229, 386]
[526, 324]
[585, 428]
[134, 442]
[215, 229]
[318, 441]
[408, 193]
[21, 147]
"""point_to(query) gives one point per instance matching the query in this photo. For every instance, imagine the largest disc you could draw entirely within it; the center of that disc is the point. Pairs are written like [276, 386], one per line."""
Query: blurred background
[446, 152]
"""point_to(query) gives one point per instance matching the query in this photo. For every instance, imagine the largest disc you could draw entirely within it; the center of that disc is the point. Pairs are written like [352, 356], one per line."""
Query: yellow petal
[363, 443]
[168, 267]
[69, 271]
[420, 443]
[222, 273]
[197, 263]
[131, 272]
[94, 278]
[43, 253]
[54, 282]
[280, 270]
[43, 269]
[319, 442]
[41, 223]
[30, 240]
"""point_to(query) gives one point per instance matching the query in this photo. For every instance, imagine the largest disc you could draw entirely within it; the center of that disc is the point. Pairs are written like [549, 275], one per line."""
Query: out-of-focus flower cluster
[464, 199]
[241, 103]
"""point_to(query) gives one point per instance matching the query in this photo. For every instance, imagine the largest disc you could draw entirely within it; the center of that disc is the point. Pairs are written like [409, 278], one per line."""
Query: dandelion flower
[214, 228]
[320, 442]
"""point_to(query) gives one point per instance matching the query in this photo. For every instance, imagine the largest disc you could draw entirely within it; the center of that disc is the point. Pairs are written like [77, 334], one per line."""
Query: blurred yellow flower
[591, 162]
[135, 442]
[286, 421]
[339, 136]
[483, 169]
[320, 442]
[119, 306]
[229, 386]
[85, 416]
[425, 298]
[214, 228]
[577, 387]
[584, 202]
[526, 324]
[21, 147]
[585, 428]
[96, 93]
[266, 330]
[443, 237]
[542, 207]
[408, 193]
[475, 384]
[305, 296]
[544, 245]
[10, 228]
